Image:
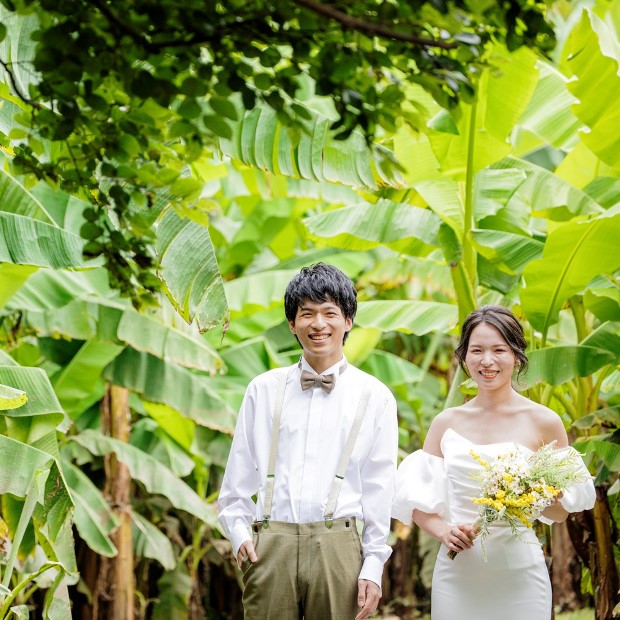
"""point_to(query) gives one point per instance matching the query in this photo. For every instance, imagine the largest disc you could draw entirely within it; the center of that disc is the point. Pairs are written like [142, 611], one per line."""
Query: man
[316, 445]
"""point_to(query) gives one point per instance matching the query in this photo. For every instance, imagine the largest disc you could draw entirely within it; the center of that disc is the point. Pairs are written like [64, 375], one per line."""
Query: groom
[315, 444]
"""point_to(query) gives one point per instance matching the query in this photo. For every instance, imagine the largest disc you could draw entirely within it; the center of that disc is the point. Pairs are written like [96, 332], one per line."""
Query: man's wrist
[239, 534]
[372, 570]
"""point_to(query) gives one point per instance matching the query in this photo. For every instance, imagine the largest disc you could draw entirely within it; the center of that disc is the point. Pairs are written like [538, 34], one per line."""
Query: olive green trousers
[304, 570]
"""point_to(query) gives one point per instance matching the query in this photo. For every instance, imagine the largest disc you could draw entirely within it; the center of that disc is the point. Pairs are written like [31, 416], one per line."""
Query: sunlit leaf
[573, 255]
[153, 475]
[410, 317]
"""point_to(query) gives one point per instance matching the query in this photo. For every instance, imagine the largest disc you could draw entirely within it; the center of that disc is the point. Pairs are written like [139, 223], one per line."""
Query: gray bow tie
[310, 379]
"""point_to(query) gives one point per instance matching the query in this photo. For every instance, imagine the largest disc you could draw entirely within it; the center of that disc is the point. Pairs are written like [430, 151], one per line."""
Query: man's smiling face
[320, 329]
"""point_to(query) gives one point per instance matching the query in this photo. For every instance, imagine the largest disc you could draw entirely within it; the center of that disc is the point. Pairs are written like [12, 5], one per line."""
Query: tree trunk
[591, 534]
[113, 598]
[565, 570]
[605, 578]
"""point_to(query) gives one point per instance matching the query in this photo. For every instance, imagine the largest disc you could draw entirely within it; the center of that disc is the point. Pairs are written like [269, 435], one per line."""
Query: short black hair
[505, 323]
[320, 283]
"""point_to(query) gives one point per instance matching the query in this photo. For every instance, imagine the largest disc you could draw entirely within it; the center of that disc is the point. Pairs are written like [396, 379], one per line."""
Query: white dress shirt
[313, 432]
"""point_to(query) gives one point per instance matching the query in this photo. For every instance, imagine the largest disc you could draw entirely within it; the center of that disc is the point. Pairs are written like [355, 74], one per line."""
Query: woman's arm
[456, 537]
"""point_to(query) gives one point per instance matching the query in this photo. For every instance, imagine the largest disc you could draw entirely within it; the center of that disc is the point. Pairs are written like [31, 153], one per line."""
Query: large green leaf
[26, 241]
[251, 357]
[187, 392]
[595, 62]
[403, 228]
[411, 317]
[573, 255]
[607, 451]
[259, 291]
[504, 248]
[112, 321]
[443, 196]
[261, 141]
[555, 365]
[190, 270]
[493, 188]
[606, 337]
[16, 199]
[93, 518]
[10, 398]
[48, 289]
[547, 194]
[150, 542]
[148, 436]
[148, 333]
[79, 384]
[392, 369]
[12, 278]
[153, 475]
[172, 422]
[549, 114]
[34, 382]
[34, 475]
[604, 303]
[482, 132]
[264, 225]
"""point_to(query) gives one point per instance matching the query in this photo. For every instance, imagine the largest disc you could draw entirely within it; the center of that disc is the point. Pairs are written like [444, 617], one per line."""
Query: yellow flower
[478, 458]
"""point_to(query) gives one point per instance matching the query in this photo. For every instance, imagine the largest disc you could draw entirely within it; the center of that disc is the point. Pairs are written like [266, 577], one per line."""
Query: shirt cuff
[239, 533]
[372, 570]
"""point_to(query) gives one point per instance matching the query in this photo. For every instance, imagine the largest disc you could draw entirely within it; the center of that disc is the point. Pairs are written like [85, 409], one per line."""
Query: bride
[435, 488]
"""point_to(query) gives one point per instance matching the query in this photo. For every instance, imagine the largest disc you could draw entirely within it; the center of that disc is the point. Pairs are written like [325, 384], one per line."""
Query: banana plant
[36, 501]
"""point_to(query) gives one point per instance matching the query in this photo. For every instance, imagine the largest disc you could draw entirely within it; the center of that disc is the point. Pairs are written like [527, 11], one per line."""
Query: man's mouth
[317, 337]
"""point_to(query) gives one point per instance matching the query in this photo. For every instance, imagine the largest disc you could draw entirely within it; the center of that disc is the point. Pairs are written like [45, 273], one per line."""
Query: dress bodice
[459, 466]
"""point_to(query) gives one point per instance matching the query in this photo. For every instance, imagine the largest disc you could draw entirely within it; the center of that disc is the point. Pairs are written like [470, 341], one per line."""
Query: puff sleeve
[579, 496]
[420, 484]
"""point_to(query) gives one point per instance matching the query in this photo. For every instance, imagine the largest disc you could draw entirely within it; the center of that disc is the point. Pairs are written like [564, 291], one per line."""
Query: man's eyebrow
[328, 307]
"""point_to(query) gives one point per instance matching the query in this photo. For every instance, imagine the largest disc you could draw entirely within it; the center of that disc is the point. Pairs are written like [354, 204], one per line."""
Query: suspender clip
[329, 521]
[266, 521]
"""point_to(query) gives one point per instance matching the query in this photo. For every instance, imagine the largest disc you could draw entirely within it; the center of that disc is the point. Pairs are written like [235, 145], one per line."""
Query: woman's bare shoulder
[548, 423]
[441, 423]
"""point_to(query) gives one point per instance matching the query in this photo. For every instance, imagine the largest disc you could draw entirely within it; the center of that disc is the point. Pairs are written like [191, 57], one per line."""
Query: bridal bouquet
[516, 487]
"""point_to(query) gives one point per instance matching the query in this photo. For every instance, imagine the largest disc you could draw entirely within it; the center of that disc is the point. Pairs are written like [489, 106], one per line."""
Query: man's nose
[319, 321]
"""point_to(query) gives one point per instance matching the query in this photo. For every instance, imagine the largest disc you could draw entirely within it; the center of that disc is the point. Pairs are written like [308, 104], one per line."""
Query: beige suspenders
[342, 464]
[332, 498]
[275, 434]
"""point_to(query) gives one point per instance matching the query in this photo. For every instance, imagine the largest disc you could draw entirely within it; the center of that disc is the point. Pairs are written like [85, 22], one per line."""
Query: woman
[435, 488]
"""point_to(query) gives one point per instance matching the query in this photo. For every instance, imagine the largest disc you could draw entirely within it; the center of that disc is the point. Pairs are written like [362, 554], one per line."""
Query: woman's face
[489, 359]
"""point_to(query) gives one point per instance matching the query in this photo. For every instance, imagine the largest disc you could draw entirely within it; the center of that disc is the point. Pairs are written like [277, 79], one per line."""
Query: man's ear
[348, 324]
[291, 326]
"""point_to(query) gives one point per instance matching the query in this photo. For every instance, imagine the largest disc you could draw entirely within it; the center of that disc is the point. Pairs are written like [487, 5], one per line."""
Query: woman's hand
[458, 537]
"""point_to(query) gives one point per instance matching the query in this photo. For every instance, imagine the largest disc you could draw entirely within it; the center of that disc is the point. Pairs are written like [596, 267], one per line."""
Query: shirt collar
[335, 369]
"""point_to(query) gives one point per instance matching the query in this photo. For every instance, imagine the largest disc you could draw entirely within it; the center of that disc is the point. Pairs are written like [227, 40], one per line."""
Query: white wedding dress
[513, 582]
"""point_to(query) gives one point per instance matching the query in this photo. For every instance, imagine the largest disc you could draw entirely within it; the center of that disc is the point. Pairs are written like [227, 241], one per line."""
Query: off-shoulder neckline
[473, 443]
